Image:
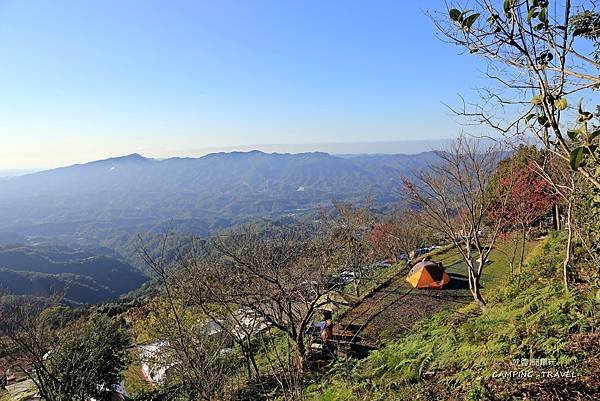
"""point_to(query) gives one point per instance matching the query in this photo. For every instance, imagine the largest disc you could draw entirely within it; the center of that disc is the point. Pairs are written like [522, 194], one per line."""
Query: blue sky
[81, 80]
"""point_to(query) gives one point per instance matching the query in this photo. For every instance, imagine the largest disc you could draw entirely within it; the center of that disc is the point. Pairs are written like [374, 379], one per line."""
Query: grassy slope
[453, 355]
[495, 273]
[391, 309]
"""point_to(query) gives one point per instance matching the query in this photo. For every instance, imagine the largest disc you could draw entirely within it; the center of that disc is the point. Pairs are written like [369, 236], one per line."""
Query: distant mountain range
[197, 195]
[14, 173]
[75, 275]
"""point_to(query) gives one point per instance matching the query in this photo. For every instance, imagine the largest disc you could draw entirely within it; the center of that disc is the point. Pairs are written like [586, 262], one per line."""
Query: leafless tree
[276, 273]
[352, 227]
[564, 182]
[191, 345]
[254, 279]
[26, 339]
[453, 196]
[402, 232]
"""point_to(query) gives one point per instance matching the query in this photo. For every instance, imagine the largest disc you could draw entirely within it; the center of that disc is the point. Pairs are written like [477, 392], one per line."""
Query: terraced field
[395, 306]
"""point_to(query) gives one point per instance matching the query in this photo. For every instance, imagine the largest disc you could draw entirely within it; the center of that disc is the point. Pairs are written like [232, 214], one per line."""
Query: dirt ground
[397, 306]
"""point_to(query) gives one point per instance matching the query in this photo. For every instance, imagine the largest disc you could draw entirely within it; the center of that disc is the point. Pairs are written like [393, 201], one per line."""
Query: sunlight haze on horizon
[82, 81]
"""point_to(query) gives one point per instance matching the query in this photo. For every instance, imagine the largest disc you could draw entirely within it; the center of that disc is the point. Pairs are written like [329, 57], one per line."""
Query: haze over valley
[300, 200]
[195, 195]
[101, 208]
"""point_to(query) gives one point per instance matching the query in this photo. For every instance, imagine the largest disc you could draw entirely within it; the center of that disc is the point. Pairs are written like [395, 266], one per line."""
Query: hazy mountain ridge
[209, 192]
[78, 275]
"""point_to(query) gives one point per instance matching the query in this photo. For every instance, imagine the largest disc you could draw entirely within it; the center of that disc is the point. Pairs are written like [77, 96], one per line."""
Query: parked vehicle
[421, 251]
[383, 263]
[347, 273]
[333, 281]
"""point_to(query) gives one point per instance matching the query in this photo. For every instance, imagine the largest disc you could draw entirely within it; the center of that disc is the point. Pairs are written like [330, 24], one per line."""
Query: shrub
[530, 317]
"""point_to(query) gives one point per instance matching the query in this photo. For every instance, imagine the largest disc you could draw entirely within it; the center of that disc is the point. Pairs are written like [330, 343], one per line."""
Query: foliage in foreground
[531, 317]
[67, 357]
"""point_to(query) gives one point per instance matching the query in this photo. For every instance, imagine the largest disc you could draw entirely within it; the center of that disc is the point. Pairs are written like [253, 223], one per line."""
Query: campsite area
[394, 306]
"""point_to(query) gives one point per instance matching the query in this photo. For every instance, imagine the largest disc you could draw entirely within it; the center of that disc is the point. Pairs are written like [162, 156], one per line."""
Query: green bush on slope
[530, 317]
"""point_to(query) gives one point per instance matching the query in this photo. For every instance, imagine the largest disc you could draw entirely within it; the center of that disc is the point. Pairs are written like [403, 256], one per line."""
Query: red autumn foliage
[379, 238]
[530, 197]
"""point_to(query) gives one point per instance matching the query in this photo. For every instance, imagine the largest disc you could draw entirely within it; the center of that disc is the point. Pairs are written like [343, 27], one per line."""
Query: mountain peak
[235, 153]
[133, 157]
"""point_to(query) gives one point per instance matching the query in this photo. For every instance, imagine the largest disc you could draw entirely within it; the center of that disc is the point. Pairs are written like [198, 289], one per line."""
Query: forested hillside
[466, 274]
[199, 195]
[76, 276]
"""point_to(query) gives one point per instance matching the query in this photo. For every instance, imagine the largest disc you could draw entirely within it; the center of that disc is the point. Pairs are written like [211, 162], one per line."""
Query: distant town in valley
[300, 201]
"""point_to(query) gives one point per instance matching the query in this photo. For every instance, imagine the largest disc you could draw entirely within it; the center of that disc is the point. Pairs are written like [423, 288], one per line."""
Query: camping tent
[427, 274]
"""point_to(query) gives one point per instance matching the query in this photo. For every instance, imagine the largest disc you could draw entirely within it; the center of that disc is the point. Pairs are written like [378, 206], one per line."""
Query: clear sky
[82, 80]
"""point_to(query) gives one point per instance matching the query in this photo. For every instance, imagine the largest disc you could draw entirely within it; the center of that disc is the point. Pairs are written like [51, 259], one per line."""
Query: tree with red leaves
[529, 196]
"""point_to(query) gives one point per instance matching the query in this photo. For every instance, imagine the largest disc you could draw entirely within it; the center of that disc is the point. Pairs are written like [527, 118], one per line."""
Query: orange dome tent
[427, 274]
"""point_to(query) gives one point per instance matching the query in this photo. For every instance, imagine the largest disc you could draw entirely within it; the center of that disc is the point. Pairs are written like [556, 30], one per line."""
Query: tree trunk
[511, 261]
[357, 280]
[523, 239]
[252, 360]
[556, 217]
[299, 340]
[248, 365]
[478, 297]
[474, 288]
[569, 245]
[356, 289]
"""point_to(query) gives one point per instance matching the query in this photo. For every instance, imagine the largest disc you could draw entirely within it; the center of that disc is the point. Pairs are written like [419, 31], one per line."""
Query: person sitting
[327, 331]
[327, 336]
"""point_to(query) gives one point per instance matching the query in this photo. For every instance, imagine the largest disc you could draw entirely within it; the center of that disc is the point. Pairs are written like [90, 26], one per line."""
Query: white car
[383, 263]
[348, 273]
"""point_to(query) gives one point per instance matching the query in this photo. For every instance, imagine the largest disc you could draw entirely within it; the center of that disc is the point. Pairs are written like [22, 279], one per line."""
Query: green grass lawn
[378, 276]
[495, 272]
[387, 311]
[453, 354]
